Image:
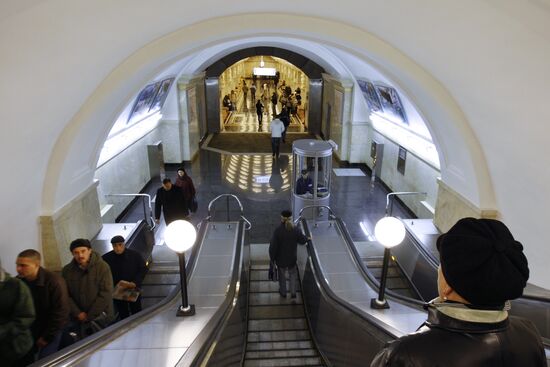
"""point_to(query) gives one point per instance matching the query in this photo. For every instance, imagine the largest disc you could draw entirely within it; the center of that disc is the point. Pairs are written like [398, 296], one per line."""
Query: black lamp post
[180, 236]
[390, 232]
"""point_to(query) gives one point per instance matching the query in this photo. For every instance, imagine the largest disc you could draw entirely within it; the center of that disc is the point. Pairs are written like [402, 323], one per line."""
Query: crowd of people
[42, 312]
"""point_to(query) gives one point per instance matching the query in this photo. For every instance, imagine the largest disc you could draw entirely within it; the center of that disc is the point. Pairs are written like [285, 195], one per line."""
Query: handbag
[273, 273]
[193, 205]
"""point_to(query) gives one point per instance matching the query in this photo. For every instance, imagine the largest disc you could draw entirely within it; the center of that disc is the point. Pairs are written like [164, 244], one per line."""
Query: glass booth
[312, 160]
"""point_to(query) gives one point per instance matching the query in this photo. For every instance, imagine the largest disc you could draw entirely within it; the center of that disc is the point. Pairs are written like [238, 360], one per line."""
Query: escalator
[396, 281]
[278, 332]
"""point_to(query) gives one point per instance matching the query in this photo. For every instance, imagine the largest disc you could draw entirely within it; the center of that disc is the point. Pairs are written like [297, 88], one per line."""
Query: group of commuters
[41, 311]
[175, 201]
[482, 267]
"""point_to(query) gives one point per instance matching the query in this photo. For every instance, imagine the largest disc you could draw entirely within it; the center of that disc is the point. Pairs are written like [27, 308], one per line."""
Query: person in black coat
[126, 265]
[283, 252]
[482, 267]
[171, 199]
[51, 301]
[259, 112]
[285, 118]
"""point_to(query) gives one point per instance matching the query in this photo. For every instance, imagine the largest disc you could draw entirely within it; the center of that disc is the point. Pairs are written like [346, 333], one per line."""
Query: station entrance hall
[232, 185]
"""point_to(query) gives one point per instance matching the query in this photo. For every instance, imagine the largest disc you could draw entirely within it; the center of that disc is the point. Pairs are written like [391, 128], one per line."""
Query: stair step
[267, 286]
[302, 344]
[277, 324]
[259, 267]
[288, 353]
[283, 362]
[275, 312]
[278, 336]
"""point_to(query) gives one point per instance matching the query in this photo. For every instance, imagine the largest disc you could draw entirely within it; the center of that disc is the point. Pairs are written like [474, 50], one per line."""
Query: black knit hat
[117, 239]
[286, 213]
[482, 262]
[80, 242]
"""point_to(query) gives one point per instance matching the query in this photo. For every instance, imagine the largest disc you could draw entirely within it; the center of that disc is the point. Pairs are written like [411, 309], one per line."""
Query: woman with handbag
[186, 184]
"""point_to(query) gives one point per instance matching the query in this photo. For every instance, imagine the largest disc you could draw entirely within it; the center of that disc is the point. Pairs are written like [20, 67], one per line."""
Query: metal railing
[248, 225]
[147, 216]
[391, 195]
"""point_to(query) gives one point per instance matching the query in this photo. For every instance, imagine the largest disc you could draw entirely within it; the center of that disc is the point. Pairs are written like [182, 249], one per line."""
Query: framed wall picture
[370, 95]
[143, 102]
[160, 96]
[391, 103]
[401, 160]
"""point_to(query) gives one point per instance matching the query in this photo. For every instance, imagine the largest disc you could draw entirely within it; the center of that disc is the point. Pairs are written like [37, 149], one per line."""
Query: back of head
[482, 261]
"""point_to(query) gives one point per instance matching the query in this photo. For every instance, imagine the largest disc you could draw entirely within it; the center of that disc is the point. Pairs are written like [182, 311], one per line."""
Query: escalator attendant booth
[312, 164]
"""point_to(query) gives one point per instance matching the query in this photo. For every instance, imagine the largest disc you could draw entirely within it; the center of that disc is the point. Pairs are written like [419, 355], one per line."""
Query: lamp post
[389, 231]
[180, 236]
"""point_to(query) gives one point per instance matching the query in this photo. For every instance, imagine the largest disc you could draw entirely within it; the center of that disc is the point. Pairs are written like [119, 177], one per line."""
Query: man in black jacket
[482, 267]
[129, 267]
[49, 293]
[283, 251]
[170, 199]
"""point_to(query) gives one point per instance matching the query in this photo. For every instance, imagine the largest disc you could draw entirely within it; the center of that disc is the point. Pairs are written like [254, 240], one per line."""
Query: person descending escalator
[283, 252]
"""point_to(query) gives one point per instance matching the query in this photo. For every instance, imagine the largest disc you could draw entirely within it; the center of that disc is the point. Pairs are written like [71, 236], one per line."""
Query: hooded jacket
[90, 289]
[457, 336]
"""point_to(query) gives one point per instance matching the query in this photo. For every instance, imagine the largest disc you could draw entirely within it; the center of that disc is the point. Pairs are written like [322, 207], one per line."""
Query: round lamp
[180, 235]
[389, 231]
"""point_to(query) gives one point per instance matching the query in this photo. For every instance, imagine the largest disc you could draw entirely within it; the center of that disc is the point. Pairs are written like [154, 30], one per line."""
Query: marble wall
[419, 175]
[128, 172]
[451, 206]
[80, 218]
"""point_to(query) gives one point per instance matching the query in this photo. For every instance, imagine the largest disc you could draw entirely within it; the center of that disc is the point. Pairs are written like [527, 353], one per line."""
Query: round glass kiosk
[312, 164]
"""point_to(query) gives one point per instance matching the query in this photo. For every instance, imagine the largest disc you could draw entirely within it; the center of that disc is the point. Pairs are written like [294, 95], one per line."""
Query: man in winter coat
[51, 301]
[481, 268]
[90, 286]
[16, 317]
[128, 266]
[283, 249]
[170, 199]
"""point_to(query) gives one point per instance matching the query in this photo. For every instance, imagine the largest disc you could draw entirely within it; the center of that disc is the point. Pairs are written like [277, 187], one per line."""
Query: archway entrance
[256, 89]
[229, 78]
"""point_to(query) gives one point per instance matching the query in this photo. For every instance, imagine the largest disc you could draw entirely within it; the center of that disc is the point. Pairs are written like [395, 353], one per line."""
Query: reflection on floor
[355, 199]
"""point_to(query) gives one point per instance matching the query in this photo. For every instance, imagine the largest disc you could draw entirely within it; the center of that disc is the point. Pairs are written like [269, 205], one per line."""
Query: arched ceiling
[476, 69]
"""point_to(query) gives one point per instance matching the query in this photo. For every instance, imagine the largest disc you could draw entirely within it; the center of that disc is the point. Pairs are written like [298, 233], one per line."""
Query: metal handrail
[147, 218]
[391, 195]
[331, 213]
[227, 196]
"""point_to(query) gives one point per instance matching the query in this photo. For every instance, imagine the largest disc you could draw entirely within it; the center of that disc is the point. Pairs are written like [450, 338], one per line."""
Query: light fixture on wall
[262, 63]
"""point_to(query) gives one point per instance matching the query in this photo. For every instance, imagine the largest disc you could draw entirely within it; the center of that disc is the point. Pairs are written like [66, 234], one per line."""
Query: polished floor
[263, 186]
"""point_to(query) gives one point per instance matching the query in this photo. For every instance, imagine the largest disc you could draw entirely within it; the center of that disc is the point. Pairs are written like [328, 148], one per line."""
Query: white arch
[463, 165]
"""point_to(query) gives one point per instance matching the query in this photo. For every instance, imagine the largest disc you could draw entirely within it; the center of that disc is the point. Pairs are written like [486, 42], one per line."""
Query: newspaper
[123, 293]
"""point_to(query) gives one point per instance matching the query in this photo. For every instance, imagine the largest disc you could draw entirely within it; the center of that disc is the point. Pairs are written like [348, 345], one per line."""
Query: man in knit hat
[481, 267]
[90, 286]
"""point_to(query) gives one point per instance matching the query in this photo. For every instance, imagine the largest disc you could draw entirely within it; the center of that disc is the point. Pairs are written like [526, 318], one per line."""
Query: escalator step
[283, 362]
[302, 344]
[275, 312]
[161, 279]
[156, 290]
[266, 287]
[277, 324]
[278, 336]
[266, 299]
[289, 353]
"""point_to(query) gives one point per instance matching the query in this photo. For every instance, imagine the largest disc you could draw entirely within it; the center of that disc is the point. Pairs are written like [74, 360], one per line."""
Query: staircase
[396, 281]
[278, 332]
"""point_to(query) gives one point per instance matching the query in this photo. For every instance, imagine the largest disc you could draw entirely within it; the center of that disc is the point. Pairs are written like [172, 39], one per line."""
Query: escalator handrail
[367, 275]
[198, 352]
[211, 203]
[330, 295]
[432, 260]
[92, 343]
